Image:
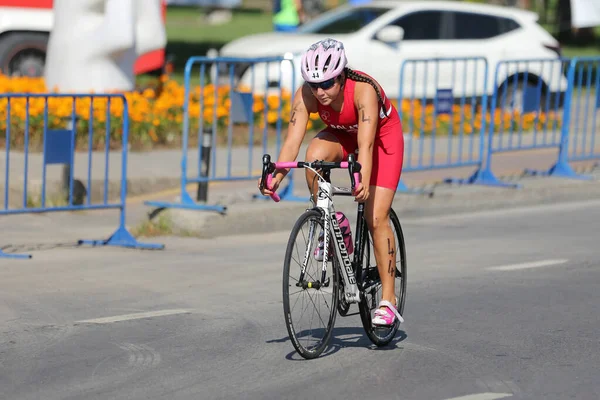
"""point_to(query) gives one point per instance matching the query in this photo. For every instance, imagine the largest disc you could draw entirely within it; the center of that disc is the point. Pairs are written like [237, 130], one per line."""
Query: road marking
[483, 396]
[127, 317]
[534, 264]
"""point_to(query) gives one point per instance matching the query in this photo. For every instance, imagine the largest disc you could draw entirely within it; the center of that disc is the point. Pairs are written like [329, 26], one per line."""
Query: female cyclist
[360, 119]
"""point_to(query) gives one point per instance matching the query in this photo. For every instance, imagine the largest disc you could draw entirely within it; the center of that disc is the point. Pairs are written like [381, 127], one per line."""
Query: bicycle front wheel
[310, 294]
[372, 288]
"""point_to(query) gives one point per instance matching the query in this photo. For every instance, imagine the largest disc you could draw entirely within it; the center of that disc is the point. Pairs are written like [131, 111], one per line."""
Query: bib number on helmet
[315, 75]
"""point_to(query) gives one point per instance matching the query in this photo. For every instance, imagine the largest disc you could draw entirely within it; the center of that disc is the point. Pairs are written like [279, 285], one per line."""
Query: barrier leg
[122, 238]
[483, 176]
[17, 256]
[402, 188]
[559, 170]
[562, 168]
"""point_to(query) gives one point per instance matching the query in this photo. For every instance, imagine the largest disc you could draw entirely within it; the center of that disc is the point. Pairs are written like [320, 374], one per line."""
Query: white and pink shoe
[386, 314]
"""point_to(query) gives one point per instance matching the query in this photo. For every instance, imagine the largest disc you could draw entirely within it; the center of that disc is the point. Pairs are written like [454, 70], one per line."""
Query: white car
[380, 35]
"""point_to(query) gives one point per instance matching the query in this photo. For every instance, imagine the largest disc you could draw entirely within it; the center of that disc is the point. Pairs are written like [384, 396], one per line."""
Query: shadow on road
[346, 337]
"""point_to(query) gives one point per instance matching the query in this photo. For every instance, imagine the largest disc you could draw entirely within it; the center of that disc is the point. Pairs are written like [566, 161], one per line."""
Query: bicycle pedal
[381, 328]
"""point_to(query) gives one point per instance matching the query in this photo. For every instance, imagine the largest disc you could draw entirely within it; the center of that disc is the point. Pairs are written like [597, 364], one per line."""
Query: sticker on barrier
[233, 112]
[59, 156]
[442, 103]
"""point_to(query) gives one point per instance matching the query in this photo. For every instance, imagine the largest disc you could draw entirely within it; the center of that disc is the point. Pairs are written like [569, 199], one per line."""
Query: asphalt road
[500, 305]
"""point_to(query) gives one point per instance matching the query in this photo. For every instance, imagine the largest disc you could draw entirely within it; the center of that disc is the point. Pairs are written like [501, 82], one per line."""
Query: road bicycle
[339, 280]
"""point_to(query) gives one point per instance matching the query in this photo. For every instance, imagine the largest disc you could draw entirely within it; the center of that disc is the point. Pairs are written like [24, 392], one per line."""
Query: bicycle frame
[325, 205]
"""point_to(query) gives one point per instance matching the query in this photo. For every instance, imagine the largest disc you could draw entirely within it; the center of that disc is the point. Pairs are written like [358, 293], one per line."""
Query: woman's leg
[377, 215]
[324, 147]
[387, 168]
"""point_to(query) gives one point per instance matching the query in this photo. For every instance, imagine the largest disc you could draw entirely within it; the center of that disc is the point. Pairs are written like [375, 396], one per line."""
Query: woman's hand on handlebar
[361, 193]
[274, 185]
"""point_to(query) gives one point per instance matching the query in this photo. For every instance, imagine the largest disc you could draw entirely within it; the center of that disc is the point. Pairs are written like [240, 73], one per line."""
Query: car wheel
[521, 96]
[23, 54]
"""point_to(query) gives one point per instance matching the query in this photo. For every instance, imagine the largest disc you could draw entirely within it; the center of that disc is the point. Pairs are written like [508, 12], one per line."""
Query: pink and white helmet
[323, 60]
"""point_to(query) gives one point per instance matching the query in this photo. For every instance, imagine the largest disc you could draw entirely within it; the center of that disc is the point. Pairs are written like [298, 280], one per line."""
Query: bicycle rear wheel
[311, 290]
[371, 284]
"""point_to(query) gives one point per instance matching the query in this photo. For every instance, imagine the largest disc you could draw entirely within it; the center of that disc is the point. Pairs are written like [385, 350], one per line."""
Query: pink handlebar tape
[286, 164]
[292, 164]
[274, 196]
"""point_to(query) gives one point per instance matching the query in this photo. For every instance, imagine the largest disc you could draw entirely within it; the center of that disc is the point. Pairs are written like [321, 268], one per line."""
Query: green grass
[162, 225]
[588, 51]
[188, 34]
[188, 24]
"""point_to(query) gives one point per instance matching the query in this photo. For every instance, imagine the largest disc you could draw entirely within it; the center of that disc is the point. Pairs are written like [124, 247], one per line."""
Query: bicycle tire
[291, 328]
[383, 336]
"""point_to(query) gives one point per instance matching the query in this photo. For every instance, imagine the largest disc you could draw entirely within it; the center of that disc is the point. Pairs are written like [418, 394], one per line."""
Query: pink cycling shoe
[386, 314]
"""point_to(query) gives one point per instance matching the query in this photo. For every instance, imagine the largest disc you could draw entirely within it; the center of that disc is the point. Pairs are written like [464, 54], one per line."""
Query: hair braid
[355, 76]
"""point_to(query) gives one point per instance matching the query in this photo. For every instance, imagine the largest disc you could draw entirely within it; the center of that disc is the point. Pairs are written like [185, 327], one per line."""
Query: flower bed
[468, 119]
[156, 116]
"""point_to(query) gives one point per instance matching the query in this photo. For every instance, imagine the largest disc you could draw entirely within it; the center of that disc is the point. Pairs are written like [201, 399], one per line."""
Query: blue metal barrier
[442, 103]
[228, 162]
[525, 110]
[59, 140]
[586, 95]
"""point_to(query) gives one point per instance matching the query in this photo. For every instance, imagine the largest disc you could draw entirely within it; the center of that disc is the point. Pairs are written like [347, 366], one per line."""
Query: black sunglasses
[328, 84]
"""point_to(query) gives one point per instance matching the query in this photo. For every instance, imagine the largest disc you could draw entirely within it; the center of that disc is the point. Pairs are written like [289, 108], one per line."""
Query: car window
[421, 25]
[348, 21]
[480, 26]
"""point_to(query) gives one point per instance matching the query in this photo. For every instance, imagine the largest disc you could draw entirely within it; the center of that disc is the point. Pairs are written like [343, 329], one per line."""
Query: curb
[262, 216]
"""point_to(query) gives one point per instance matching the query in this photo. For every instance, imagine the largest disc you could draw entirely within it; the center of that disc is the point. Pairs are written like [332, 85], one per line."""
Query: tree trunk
[544, 12]
[566, 32]
[563, 21]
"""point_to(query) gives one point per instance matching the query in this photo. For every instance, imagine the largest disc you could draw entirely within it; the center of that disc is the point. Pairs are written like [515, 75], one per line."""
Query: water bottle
[344, 224]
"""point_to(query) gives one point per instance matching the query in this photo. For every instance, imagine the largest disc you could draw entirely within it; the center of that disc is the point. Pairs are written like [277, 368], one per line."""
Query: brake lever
[353, 169]
[268, 169]
[265, 170]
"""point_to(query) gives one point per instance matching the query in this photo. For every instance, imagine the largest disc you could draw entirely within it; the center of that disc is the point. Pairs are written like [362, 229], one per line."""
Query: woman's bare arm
[367, 104]
[303, 104]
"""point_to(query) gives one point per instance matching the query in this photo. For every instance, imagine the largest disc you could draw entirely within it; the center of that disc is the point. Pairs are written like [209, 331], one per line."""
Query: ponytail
[355, 76]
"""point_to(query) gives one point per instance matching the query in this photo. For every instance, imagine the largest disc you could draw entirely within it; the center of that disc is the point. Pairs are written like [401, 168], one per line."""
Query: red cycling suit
[388, 148]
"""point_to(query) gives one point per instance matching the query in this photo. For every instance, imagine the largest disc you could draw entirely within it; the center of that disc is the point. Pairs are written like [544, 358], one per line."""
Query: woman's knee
[377, 210]
[324, 146]
[378, 219]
